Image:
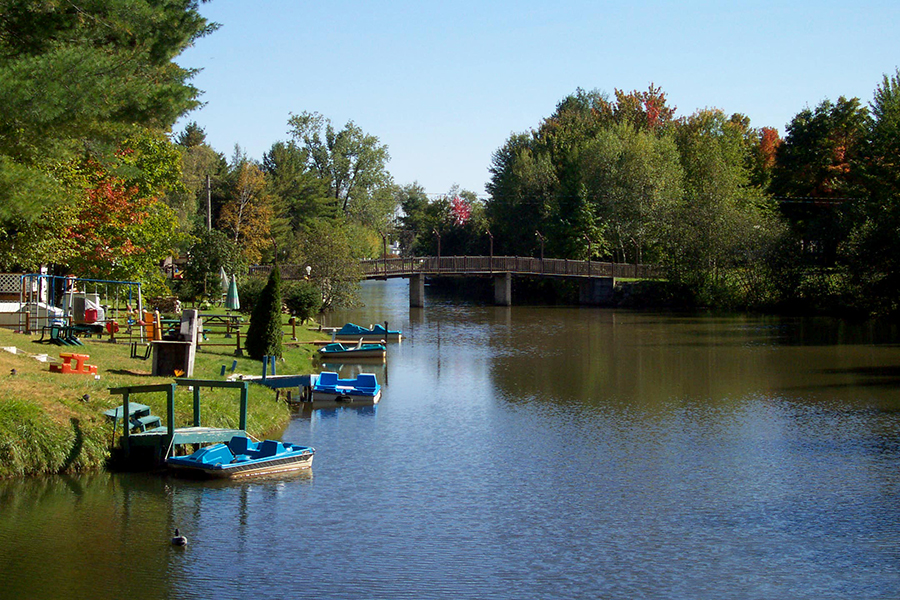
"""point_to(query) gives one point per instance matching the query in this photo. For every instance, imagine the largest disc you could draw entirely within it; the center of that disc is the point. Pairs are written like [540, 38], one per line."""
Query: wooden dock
[158, 443]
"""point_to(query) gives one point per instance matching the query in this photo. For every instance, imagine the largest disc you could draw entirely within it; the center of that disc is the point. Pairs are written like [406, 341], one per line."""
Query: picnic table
[67, 335]
[226, 320]
[231, 323]
[80, 367]
[138, 416]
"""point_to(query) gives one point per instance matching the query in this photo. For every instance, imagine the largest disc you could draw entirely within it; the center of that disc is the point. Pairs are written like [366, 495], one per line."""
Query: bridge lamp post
[438, 235]
[384, 253]
[590, 254]
[491, 253]
[538, 233]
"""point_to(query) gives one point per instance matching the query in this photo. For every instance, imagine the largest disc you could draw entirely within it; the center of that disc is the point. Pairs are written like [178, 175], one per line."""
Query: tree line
[738, 216]
[94, 183]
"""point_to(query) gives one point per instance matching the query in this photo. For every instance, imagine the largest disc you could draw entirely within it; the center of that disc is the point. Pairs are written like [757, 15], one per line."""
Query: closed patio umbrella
[223, 279]
[232, 302]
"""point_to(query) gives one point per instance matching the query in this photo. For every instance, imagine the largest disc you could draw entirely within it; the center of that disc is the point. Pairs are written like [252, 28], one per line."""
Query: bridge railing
[523, 265]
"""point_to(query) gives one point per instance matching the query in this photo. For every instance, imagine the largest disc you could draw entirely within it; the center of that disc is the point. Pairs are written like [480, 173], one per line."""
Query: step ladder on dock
[139, 417]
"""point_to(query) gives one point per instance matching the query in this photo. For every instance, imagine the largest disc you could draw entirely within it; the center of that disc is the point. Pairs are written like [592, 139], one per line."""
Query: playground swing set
[64, 307]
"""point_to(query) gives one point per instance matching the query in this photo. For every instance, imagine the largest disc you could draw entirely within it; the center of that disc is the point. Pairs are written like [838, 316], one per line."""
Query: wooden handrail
[482, 265]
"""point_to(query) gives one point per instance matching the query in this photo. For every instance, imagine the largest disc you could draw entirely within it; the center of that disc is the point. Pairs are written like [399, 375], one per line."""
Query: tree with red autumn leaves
[116, 233]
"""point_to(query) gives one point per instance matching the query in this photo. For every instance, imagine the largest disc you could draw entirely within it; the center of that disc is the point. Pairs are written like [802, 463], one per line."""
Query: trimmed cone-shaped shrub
[264, 333]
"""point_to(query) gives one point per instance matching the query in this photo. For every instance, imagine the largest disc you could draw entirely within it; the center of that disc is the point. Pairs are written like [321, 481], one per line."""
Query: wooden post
[238, 351]
[196, 406]
[243, 423]
[126, 424]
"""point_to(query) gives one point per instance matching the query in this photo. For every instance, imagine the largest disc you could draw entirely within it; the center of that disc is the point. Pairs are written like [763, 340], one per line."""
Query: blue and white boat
[348, 352]
[241, 458]
[353, 332]
[363, 389]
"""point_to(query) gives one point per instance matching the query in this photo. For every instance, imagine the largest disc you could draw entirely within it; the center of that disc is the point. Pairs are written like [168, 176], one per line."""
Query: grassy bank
[52, 423]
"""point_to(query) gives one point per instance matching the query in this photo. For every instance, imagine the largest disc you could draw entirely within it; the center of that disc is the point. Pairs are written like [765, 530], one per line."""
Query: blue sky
[443, 85]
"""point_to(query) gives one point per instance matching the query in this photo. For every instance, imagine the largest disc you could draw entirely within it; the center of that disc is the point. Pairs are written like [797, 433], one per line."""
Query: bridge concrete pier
[597, 291]
[417, 291]
[503, 289]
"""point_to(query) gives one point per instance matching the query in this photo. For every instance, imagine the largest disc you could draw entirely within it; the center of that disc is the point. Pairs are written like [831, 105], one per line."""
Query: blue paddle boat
[241, 458]
[352, 332]
[344, 352]
[363, 389]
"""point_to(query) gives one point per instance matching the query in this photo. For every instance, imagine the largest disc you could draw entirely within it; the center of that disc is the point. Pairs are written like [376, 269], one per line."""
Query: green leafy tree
[458, 217]
[114, 226]
[352, 162]
[633, 179]
[198, 161]
[872, 250]
[415, 219]
[550, 178]
[879, 156]
[265, 330]
[522, 188]
[723, 230]
[211, 252]
[302, 299]
[247, 214]
[299, 196]
[57, 60]
[814, 175]
[332, 250]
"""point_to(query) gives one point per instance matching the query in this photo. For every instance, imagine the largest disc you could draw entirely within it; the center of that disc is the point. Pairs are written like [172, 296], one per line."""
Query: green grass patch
[54, 423]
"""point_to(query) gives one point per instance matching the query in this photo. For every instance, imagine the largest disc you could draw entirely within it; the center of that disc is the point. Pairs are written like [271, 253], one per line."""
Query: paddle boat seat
[327, 380]
[239, 445]
[366, 382]
[268, 448]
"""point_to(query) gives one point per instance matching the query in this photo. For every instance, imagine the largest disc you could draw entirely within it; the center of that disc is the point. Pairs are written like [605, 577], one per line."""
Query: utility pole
[208, 205]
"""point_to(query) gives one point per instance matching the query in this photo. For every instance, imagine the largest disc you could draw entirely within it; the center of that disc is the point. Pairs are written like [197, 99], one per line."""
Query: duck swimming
[179, 540]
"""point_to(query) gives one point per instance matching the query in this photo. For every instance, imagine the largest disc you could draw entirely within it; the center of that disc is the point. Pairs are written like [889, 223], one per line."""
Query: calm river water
[525, 453]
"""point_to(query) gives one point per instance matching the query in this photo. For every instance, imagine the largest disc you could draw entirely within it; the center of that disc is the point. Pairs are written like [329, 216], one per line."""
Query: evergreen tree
[264, 333]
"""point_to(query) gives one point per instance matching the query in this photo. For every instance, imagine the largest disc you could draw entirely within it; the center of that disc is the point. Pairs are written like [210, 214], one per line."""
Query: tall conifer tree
[264, 333]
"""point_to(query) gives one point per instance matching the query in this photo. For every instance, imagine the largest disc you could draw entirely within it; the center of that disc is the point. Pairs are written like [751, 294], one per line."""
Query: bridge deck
[485, 265]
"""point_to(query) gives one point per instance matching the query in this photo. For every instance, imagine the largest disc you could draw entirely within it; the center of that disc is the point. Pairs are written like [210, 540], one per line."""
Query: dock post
[170, 413]
[126, 424]
[244, 405]
[197, 406]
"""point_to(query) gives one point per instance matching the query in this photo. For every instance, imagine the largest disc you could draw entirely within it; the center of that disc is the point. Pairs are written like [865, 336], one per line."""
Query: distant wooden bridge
[598, 278]
[493, 265]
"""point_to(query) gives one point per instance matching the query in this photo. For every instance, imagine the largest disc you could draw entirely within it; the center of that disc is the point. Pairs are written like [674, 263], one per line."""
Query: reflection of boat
[351, 332]
[364, 389]
[240, 458]
[338, 351]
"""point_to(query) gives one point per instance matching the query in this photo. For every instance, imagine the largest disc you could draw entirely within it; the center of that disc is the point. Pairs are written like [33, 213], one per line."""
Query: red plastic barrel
[90, 315]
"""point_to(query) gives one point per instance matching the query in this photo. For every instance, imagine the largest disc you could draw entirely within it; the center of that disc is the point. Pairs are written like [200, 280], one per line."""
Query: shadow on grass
[77, 445]
[133, 372]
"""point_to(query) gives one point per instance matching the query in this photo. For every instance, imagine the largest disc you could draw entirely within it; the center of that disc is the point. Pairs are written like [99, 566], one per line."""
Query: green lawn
[51, 422]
